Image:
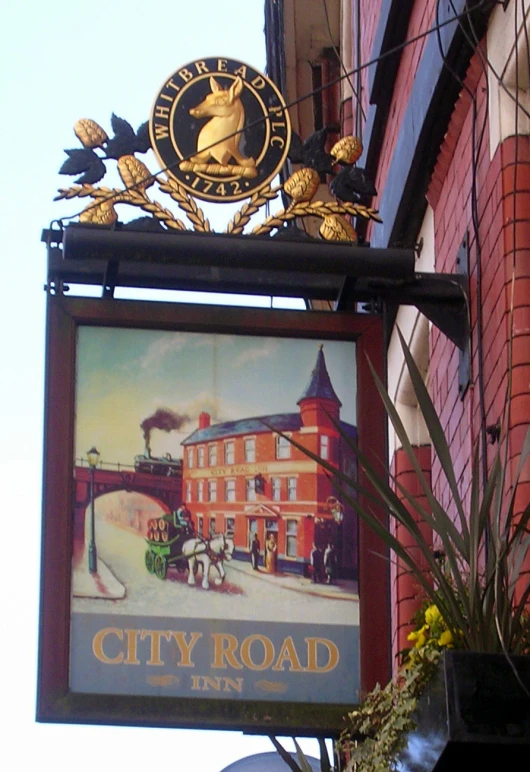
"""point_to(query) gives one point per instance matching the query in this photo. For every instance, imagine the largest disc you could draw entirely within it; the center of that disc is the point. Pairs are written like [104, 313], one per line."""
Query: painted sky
[62, 61]
[124, 376]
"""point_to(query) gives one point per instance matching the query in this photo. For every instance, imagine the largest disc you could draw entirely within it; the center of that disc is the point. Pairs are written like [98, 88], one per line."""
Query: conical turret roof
[319, 386]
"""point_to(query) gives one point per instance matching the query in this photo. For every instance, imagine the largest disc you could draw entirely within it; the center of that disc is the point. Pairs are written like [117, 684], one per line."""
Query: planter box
[474, 711]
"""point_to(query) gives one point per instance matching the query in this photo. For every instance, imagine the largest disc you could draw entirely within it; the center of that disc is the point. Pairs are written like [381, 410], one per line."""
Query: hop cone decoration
[302, 185]
[337, 228]
[134, 173]
[102, 214]
[347, 150]
[90, 133]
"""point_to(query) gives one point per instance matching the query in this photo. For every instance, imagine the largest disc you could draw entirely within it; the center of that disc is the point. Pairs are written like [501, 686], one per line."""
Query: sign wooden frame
[56, 702]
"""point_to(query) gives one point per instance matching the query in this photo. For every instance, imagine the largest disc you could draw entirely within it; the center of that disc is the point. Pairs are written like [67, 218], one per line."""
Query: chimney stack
[204, 420]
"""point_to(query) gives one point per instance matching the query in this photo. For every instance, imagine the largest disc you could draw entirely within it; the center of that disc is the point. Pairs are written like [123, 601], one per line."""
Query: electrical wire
[347, 75]
[476, 147]
[258, 122]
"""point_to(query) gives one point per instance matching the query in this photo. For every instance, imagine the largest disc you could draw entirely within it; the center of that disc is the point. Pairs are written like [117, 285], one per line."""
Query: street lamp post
[93, 460]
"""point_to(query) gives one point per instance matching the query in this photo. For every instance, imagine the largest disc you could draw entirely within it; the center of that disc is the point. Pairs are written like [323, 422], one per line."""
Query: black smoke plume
[164, 419]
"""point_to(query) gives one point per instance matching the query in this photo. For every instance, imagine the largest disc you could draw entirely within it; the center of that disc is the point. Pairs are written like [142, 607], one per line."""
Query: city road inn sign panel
[199, 569]
[220, 128]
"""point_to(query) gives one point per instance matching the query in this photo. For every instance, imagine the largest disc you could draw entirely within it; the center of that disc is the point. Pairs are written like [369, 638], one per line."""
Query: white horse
[211, 552]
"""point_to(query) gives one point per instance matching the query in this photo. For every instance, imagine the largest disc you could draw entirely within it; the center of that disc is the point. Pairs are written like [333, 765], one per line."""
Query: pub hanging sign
[198, 570]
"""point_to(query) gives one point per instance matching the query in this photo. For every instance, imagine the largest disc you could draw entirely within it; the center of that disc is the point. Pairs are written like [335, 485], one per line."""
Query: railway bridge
[110, 478]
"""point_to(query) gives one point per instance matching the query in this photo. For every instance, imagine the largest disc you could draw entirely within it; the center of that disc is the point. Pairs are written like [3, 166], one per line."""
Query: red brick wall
[405, 594]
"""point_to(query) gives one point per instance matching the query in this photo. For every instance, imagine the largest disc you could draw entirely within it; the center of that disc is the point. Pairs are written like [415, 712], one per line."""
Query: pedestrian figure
[254, 552]
[330, 564]
[316, 564]
[271, 554]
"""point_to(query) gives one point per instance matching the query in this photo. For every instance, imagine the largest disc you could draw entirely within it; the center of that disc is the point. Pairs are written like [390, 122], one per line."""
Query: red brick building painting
[244, 478]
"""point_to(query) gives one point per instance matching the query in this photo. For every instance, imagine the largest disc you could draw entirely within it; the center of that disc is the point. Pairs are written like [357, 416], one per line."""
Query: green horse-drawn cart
[165, 537]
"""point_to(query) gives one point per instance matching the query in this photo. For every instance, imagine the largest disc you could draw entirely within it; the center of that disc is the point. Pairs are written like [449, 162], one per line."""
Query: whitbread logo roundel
[220, 128]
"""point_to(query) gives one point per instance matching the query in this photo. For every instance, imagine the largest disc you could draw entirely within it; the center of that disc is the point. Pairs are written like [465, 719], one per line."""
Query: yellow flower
[432, 615]
[446, 639]
[419, 637]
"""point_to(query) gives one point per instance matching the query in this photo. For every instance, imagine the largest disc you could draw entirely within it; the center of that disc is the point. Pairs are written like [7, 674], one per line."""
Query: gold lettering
[185, 648]
[132, 658]
[201, 67]
[312, 655]
[211, 683]
[161, 132]
[97, 645]
[222, 651]
[235, 683]
[276, 110]
[171, 84]
[279, 140]
[288, 654]
[195, 683]
[241, 71]
[167, 97]
[258, 82]
[185, 74]
[221, 65]
[155, 636]
[161, 111]
[274, 124]
[268, 652]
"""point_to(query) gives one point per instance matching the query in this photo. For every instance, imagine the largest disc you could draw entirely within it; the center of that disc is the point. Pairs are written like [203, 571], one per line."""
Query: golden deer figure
[219, 138]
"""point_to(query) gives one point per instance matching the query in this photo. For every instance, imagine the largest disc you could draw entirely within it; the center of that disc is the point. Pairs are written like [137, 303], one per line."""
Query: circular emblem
[220, 128]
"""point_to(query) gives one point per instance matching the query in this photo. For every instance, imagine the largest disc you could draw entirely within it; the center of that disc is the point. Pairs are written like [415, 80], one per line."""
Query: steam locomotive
[163, 466]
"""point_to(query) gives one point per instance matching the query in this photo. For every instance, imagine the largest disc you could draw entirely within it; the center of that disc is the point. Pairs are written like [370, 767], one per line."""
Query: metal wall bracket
[464, 359]
[313, 270]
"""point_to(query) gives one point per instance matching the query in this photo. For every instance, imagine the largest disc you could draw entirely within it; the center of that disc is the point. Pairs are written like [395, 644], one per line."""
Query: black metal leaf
[351, 184]
[143, 140]
[94, 173]
[121, 127]
[78, 161]
[149, 224]
[312, 152]
[121, 145]
[295, 148]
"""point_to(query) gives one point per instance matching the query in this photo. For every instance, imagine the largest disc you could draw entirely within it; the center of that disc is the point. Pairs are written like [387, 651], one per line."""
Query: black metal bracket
[313, 270]
[464, 359]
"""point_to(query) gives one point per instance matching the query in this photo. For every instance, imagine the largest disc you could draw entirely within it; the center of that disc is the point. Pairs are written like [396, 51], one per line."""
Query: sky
[124, 376]
[62, 61]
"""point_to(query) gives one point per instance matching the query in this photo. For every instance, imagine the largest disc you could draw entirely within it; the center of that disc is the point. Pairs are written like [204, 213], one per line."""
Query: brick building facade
[243, 478]
[439, 93]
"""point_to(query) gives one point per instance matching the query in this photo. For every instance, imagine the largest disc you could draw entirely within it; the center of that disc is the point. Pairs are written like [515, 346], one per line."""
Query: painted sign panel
[198, 569]
[225, 564]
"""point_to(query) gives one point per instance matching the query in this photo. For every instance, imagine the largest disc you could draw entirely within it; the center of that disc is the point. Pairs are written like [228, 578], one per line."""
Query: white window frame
[230, 448]
[283, 447]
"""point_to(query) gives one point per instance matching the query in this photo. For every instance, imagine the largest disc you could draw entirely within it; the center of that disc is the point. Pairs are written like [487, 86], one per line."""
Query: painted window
[212, 490]
[229, 452]
[200, 456]
[291, 529]
[212, 455]
[200, 524]
[188, 492]
[212, 526]
[324, 446]
[251, 489]
[230, 490]
[291, 488]
[250, 449]
[276, 489]
[200, 491]
[230, 525]
[189, 453]
[283, 448]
